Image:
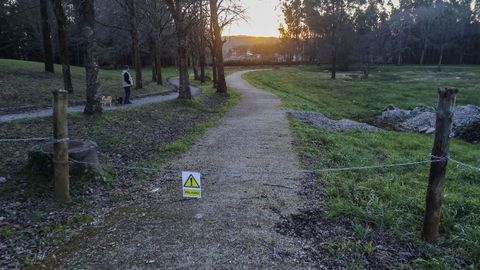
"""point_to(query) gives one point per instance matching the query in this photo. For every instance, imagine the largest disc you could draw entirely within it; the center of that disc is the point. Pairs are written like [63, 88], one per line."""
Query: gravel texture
[251, 181]
[321, 121]
[422, 119]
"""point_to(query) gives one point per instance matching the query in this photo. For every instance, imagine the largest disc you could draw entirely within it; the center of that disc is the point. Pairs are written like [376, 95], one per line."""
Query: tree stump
[84, 164]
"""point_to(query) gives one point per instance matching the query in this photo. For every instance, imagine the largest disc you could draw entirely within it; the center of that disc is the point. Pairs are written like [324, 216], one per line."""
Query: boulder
[394, 117]
[464, 116]
[418, 123]
[422, 119]
[84, 164]
[470, 132]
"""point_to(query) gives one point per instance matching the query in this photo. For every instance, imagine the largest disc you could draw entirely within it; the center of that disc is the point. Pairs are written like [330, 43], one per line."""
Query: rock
[430, 131]
[84, 161]
[422, 121]
[390, 107]
[394, 116]
[470, 133]
[3, 180]
[465, 115]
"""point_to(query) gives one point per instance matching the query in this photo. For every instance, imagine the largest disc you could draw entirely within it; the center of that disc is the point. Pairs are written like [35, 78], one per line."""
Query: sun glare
[264, 17]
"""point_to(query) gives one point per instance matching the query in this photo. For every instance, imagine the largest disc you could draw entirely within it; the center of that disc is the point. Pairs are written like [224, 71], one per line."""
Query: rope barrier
[310, 171]
[13, 140]
[465, 164]
[25, 139]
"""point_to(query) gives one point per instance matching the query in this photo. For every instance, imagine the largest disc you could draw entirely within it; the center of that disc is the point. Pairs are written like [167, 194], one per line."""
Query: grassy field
[389, 200]
[32, 222]
[350, 96]
[24, 83]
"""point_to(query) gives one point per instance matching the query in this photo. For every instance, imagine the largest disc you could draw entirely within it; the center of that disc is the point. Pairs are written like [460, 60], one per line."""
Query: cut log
[83, 156]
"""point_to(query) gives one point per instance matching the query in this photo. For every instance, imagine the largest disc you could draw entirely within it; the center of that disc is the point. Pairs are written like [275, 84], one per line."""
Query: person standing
[127, 84]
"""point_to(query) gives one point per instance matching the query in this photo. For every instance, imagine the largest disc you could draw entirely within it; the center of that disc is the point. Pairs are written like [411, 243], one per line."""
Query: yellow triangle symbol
[191, 182]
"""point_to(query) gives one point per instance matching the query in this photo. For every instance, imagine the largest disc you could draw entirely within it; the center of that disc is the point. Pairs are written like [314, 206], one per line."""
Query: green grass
[24, 83]
[350, 96]
[390, 200]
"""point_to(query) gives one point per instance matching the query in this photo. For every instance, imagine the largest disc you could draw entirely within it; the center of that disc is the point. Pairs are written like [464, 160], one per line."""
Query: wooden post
[60, 146]
[445, 109]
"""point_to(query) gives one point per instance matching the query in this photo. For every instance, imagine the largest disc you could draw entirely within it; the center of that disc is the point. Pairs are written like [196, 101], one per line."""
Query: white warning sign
[191, 185]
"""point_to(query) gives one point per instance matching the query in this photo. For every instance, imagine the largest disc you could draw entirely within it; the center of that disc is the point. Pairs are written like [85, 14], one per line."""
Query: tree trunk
[184, 87]
[153, 59]
[214, 69]
[334, 62]
[135, 45]
[87, 14]
[214, 60]
[201, 49]
[424, 51]
[63, 45]
[196, 76]
[202, 63]
[47, 37]
[440, 59]
[158, 63]
[217, 34]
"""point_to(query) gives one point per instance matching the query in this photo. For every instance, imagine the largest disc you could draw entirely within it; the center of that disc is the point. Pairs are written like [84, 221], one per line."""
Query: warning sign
[192, 185]
[191, 182]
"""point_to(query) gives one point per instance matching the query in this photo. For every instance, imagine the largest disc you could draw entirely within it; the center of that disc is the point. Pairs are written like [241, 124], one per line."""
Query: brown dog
[106, 100]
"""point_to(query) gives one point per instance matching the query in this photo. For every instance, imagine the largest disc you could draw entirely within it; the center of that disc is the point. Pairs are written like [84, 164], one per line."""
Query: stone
[3, 180]
[470, 133]
[465, 115]
[430, 131]
[83, 155]
[390, 107]
[422, 119]
[394, 116]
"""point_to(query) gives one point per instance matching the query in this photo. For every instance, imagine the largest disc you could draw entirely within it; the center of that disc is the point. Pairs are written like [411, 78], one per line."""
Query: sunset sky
[264, 17]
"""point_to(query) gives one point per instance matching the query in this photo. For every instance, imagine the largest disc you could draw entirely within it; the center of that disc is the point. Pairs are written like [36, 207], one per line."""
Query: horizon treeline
[342, 32]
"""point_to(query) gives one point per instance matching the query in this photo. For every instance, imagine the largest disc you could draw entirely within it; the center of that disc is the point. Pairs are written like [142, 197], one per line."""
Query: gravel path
[233, 226]
[79, 108]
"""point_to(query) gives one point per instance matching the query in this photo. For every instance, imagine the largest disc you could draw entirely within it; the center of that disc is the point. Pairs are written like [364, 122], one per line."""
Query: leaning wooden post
[445, 109]
[60, 146]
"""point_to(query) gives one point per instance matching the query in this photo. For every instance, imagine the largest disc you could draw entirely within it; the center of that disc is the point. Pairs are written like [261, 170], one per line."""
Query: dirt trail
[232, 226]
[79, 108]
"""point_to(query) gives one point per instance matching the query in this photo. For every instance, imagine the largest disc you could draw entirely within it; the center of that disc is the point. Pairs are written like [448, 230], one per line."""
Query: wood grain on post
[60, 146]
[445, 110]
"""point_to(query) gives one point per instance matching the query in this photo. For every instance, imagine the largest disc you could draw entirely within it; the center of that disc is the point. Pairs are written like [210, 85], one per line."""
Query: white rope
[24, 139]
[123, 167]
[13, 140]
[270, 172]
[465, 164]
[380, 166]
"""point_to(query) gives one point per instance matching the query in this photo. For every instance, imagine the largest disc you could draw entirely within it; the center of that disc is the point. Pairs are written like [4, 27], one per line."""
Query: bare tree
[218, 47]
[178, 9]
[59, 10]
[47, 37]
[87, 21]
[222, 13]
[137, 58]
